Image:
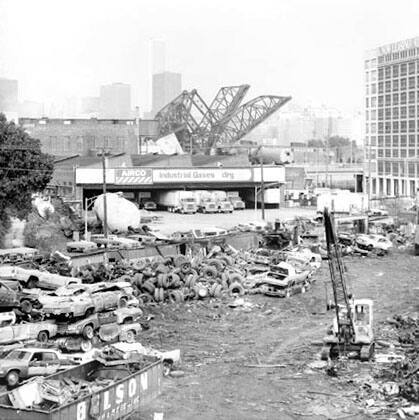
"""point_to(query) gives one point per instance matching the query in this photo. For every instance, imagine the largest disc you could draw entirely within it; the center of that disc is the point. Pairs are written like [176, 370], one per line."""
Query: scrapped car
[119, 332]
[377, 212]
[81, 246]
[252, 226]
[283, 281]
[81, 300]
[36, 278]
[87, 326]
[41, 331]
[381, 242]
[25, 362]
[12, 298]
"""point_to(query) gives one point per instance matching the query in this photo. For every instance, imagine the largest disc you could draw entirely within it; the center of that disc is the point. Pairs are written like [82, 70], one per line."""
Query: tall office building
[392, 119]
[8, 95]
[115, 101]
[166, 86]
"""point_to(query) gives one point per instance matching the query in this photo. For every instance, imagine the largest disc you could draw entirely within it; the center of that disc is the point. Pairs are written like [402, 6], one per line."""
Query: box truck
[223, 203]
[204, 202]
[235, 200]
[177, 201]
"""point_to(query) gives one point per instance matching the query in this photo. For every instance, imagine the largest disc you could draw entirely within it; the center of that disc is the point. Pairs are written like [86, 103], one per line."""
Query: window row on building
[397, 168]
[395, 141]
[394, 85]
[403, 126]
[78, 144]
[394, 113]
[392, 99]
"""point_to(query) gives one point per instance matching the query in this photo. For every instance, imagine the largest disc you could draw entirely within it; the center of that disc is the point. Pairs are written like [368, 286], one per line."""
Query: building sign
[164, 176]
[399, 46]
[136, 176]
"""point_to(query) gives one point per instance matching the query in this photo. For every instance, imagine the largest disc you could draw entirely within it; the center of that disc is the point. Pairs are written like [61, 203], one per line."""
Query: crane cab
[363, 318]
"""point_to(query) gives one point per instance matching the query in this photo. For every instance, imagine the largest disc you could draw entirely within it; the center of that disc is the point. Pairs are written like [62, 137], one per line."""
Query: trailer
[122, 398]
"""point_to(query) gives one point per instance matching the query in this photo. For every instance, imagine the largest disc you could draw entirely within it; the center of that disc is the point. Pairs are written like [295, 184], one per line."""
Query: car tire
[130, 336]
[43, 336]
[12, 378]
[26, 306]
[123, 302]
[88, 332]
[86, 345]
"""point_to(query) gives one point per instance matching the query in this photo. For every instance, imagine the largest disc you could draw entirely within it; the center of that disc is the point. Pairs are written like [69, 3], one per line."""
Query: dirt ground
[220, 346]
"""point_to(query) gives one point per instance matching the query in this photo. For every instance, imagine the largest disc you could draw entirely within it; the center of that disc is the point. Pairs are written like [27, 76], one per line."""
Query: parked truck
[177, 201]
[235, 200]
[145, 202]
[223, 203]
[205, 202]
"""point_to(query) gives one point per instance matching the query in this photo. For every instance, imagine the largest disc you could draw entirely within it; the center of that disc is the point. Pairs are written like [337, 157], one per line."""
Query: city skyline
[292, 46]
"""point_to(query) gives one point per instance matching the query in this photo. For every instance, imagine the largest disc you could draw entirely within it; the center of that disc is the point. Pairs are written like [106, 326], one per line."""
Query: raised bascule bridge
[202, 127]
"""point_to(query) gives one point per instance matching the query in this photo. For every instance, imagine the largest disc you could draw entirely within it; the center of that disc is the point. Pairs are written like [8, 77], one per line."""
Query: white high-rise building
[392, 118]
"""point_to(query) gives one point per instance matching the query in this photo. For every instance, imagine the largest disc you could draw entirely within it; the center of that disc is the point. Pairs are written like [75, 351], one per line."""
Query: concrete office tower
[8, 95]
[392, 120]
[166, 86]
[115, 101]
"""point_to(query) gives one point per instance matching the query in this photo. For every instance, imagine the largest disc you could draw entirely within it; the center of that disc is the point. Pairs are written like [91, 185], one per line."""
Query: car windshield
[18, 355]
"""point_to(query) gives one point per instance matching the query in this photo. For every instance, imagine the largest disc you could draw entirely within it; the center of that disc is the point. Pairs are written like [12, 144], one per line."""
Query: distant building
[392, 126]
[301, 125]
[115, 101]
[8, 95]
[166, 86]
[65, 137]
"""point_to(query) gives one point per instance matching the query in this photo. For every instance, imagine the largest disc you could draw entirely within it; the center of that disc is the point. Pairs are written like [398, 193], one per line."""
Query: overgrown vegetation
[24, 170]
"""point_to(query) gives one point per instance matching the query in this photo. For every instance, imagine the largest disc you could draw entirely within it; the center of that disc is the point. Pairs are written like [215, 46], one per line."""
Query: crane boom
[341, 295]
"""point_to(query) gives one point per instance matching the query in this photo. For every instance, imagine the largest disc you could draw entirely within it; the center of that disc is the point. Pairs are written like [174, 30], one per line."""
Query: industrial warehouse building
[392, 119]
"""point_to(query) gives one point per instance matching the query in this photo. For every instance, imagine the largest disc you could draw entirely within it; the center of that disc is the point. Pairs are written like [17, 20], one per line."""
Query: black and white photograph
[209, 210]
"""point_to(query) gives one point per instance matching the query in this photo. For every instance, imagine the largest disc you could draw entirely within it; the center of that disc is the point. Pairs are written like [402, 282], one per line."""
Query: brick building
[65, 137]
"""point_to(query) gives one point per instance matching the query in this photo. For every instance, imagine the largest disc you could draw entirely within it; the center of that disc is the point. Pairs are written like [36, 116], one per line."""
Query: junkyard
[209, 210]
[218, 323]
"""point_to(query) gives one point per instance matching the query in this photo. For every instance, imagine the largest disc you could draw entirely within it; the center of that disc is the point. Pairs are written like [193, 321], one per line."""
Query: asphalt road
[171, 222]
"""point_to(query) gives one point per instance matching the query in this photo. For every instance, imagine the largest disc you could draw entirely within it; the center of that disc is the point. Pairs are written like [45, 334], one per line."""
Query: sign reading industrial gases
[164, 176]
[132, 176]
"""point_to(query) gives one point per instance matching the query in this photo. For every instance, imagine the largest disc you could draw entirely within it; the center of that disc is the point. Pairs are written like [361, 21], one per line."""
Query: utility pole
[103, 153]
[262, 190]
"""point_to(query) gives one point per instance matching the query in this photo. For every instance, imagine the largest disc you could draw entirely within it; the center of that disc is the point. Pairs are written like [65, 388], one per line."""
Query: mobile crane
[351, 330]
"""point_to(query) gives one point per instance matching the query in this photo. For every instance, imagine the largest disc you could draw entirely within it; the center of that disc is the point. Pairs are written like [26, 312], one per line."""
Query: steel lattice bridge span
[223, 123]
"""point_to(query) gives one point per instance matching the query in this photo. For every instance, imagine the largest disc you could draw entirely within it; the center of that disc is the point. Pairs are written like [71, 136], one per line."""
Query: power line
[6, 168]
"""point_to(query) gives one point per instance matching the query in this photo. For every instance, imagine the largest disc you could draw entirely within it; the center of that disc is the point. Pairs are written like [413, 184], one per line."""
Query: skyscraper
[392, 119]
[166, 86]
[8, 95]
[115, 101]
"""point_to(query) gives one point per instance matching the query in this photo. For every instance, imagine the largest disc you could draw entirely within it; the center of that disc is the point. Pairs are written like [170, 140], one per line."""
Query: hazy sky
[309, 49]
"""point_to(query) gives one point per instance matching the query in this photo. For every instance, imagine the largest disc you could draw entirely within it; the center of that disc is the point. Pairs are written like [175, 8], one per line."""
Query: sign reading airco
[137, 176]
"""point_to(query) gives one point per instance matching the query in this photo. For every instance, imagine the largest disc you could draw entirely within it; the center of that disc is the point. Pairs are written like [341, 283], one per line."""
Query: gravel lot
[174, 221]
[221, 345]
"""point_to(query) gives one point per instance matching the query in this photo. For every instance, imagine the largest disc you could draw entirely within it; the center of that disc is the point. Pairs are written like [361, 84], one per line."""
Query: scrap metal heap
[221, 124]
